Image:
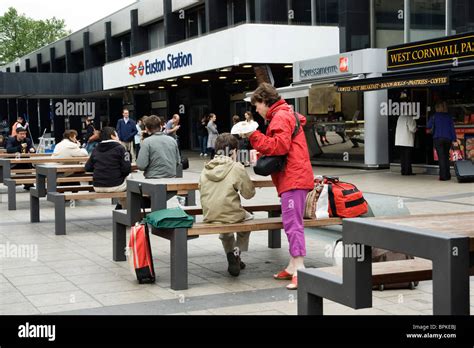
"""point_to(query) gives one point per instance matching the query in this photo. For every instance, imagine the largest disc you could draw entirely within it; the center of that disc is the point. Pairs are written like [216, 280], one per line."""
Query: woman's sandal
[294, 283]
[283, 275]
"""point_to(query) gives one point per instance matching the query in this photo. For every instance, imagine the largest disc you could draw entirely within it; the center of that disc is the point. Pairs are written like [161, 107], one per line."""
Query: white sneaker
[205, 155]
[201, 154]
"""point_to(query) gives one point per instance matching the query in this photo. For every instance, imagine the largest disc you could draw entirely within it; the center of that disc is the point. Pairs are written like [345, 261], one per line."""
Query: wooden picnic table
[6, 164]
[159, 191]
[23, 155]
[445, 239]
[49, 173]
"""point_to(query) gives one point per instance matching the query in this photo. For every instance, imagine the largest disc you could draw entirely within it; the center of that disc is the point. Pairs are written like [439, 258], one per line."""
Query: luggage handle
[142, 201]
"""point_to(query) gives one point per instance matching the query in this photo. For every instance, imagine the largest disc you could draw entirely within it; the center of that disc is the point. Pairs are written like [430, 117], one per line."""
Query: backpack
[333, 198]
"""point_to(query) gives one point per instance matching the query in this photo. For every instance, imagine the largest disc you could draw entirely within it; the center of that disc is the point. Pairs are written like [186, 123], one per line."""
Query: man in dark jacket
[110, 164]
[126, 130]
[20, 144]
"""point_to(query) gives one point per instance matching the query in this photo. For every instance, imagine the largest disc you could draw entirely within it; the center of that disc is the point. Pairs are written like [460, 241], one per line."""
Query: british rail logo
[150, 67]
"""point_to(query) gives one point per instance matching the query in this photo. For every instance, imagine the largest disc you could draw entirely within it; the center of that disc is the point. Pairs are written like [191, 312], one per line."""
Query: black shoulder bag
[267, 165]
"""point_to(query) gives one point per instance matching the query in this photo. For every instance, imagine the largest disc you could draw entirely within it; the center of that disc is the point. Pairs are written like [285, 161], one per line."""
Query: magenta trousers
[292, 210]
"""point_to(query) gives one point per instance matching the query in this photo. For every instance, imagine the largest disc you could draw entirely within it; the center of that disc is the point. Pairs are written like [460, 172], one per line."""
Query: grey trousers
[229, 242]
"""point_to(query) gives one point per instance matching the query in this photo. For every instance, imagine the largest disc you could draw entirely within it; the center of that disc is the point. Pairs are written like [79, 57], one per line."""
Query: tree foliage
[20, 35]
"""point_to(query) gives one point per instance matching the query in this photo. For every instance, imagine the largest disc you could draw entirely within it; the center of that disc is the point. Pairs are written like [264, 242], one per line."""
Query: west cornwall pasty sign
[447, 50]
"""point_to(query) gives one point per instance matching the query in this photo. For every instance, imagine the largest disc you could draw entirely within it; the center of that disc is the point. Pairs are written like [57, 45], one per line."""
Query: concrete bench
[35, 201]
[12, 182]
[179, 239]
[445, 242]
[59, 200]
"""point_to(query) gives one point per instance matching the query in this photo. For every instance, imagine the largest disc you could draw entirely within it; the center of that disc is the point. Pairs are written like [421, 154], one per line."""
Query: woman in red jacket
[295, 180]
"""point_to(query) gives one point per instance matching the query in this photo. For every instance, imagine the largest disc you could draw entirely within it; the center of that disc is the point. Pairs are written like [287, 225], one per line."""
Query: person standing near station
[212, 134]
[126, 130]
[405, 141]
[202, 135]
[19, 123]
[172, 127]
[444, 136]
[296, 180]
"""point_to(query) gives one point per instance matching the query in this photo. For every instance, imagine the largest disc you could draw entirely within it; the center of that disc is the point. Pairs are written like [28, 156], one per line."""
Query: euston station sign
[451, 49]
[158, 65]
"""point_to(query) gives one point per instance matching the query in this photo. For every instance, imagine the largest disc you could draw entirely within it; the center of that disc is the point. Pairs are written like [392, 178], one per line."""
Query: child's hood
[218, 168]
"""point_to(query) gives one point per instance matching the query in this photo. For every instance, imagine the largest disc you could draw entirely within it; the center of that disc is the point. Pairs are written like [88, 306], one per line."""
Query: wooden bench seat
[391, 272]
[254, 225]
[59, 200]
[14, 181]
[179, 239]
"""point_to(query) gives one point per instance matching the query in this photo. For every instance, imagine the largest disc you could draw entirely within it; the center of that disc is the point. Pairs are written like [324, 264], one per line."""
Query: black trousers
[406, 159]
[442, 146]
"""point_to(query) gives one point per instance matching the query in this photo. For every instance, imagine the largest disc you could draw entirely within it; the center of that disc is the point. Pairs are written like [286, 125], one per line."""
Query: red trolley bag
[345, 200]
[139, 251]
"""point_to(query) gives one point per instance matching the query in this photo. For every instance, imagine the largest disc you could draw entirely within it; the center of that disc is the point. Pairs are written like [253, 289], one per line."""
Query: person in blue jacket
[126, 130]
[444, 136]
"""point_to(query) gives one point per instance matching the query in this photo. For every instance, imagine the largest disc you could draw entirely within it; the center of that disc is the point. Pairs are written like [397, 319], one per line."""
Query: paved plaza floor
[75, 274]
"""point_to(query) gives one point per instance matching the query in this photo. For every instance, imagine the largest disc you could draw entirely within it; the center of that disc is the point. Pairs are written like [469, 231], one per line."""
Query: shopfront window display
[338, 123]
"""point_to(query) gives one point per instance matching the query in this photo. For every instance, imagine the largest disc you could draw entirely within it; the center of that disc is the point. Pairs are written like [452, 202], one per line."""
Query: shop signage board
[447, 50]
[338, 65]
[397, 83]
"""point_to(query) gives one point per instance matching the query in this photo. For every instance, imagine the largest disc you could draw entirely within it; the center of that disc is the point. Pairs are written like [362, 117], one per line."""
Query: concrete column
[449, 17]
[407, 18]
[70, 68]
[87, 52]
[174, 26]
[248, 14]
[27, 65]
[138, 35]
[112, 45]
[289, 6]
[373, 25]
[376, 145]
[53, 66]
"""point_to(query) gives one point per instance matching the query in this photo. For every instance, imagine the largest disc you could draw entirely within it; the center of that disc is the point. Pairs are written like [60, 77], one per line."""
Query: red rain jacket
[298, 173]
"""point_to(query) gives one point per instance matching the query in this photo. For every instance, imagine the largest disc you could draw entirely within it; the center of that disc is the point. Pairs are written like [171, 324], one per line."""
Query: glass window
[302, 12]
[428, 19]
[389, 22]
[463, 16]
[192, 28]
[327, 12]
[239, 11]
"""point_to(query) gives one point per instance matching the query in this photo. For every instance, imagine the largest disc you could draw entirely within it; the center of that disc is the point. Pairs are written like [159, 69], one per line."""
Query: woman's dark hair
[265, 93]
[106, 133]
[153, 123]
[235, 119]
[250, 114]
[68, 134]
[225, 143]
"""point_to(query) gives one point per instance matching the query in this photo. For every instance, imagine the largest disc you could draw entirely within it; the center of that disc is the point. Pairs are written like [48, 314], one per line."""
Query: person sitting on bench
[110, 164]
[19, 143]
[221, 181]
[159, 154]
[69, 146]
